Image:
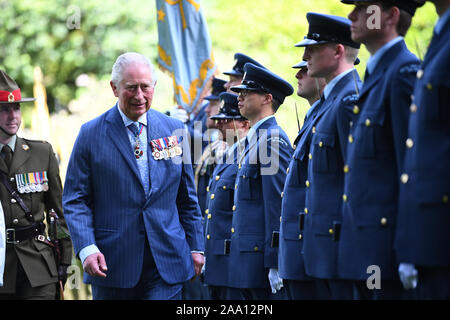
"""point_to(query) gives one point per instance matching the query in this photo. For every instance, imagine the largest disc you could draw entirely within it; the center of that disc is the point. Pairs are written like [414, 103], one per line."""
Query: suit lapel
[116, 131]
[154, 131]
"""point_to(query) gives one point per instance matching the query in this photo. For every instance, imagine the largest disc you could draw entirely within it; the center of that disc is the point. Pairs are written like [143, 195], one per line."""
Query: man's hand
[95, 265]
[199, 261]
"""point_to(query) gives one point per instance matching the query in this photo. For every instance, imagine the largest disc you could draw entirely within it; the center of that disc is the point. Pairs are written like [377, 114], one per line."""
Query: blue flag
[184, 49]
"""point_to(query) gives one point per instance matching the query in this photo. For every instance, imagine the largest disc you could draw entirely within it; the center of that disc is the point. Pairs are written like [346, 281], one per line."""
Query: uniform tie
[7, 155]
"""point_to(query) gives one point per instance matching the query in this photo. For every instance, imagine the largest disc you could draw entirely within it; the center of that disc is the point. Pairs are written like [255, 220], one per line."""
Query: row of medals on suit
[32, 182]
[162, 148]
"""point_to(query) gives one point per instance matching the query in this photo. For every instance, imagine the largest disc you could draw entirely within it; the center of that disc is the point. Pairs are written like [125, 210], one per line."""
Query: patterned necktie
[7, 155]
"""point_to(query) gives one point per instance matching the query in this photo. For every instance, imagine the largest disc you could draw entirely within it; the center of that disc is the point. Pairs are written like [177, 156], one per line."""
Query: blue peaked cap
[263, 80]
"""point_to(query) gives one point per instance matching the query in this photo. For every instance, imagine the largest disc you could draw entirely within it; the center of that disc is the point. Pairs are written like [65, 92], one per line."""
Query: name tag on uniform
[165, 148]
[32, 182]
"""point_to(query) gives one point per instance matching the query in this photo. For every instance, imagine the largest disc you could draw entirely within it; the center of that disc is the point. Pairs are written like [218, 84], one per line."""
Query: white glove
[276, 283]
[179, 114]
[408, 275]
[204, 266]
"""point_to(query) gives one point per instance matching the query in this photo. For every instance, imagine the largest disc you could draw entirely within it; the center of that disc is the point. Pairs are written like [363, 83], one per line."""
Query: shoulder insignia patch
[279, 140]
[410, 69]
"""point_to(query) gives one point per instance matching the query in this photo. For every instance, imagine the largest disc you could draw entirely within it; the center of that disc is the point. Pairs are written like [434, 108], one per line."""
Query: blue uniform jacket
[290, 256]
[257, 201]
[375, 155]
[219, 214]
[325, 183]
[424, 209]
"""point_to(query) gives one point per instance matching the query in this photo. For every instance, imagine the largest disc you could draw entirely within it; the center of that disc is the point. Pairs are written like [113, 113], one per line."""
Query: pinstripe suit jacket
[107, 206]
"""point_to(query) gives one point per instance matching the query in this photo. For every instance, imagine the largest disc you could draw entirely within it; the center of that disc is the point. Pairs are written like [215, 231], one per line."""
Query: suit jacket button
[207, 189]
[313, 129]
[209, 215]
[350, 138]
[330, 231]
[419, 74]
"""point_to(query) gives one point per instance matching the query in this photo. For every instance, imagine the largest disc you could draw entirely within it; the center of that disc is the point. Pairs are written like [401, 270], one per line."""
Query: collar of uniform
[442, 21]
[252, 130]
[127, 121]
[11, 143]
[373, 60]
[311, 109]
[329, 87]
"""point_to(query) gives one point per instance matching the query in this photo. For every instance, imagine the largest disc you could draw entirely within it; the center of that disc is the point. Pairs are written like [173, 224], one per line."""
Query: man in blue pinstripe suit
[129, 195]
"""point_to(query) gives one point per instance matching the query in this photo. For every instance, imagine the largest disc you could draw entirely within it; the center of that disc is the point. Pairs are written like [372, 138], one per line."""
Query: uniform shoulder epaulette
[410, 68]
[350, 98]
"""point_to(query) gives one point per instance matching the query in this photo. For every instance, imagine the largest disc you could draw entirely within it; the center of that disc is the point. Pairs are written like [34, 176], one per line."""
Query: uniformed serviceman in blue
[331, 54]
[233, 128]
[291, 268]
[376, 148]
[422, 237]
[259, 183]
[237, 72]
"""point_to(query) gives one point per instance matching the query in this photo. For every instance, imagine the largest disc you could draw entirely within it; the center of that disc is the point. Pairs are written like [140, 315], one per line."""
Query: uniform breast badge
[165, 148]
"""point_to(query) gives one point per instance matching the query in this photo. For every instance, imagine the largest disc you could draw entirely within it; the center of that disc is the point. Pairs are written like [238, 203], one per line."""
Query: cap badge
[10, 97]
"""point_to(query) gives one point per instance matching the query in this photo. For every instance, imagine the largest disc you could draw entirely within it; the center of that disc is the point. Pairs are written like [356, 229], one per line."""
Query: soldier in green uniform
[29, 186]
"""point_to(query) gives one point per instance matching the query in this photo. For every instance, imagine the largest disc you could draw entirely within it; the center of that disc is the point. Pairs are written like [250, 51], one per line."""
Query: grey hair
[126, 59]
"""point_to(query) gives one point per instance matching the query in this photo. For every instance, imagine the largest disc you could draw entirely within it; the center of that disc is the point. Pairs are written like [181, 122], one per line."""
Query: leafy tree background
[67, 39]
